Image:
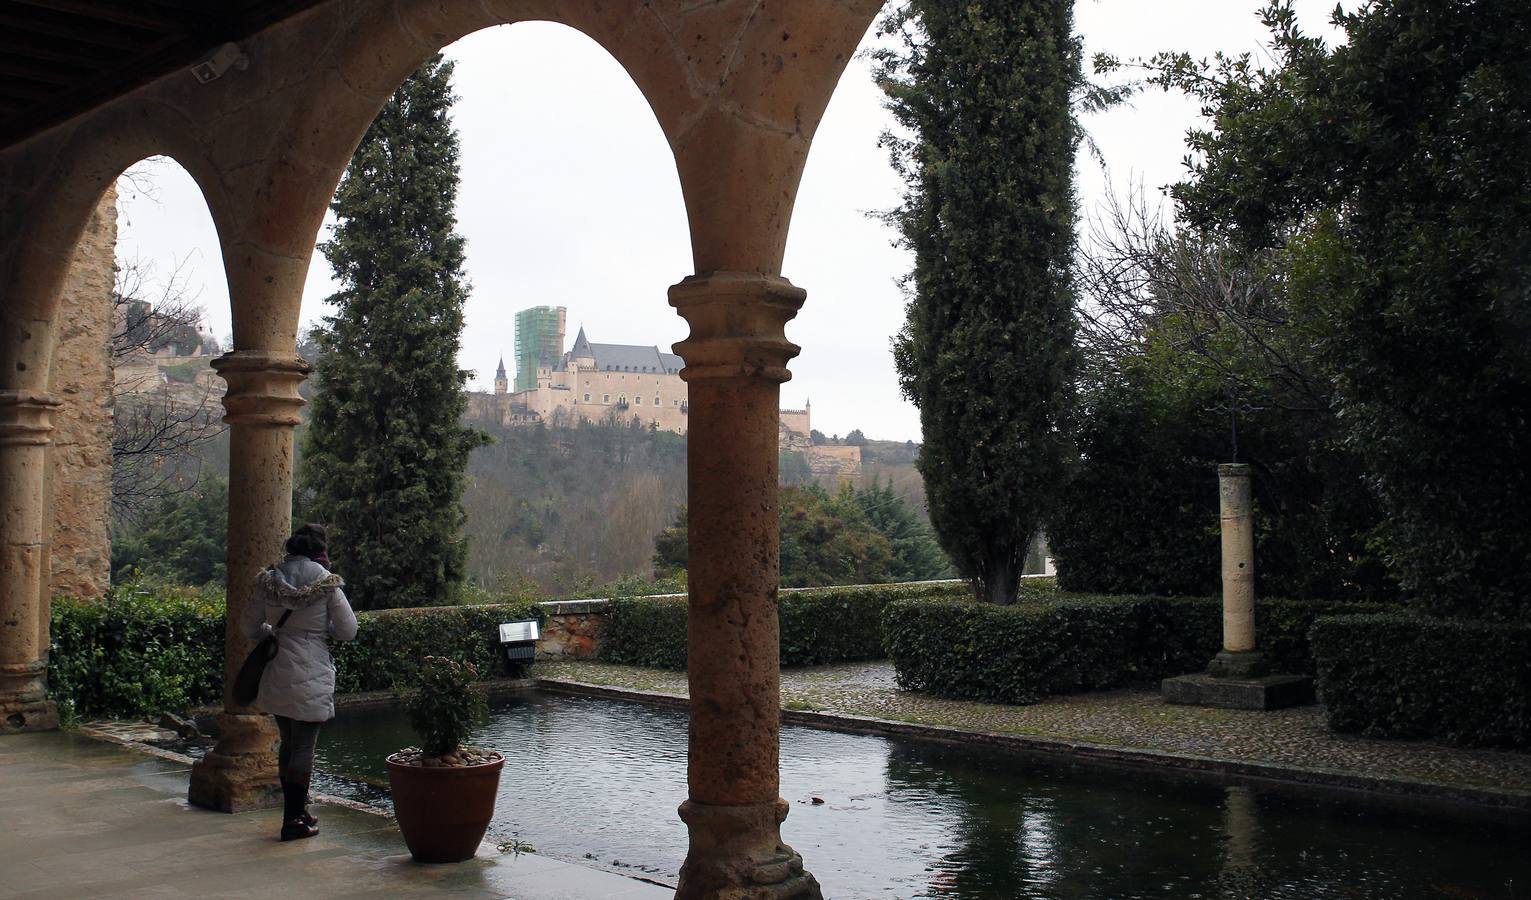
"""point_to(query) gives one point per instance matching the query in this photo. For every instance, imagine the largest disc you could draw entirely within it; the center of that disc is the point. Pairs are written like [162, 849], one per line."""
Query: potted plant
[444, 792]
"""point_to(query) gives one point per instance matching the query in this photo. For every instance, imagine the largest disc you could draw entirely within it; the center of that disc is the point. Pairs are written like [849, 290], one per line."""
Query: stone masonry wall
[80, 458]
[573, 629]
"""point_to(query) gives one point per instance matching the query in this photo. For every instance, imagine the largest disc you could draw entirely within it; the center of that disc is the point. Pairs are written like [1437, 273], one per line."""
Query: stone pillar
[736, 359]
[79, 496]
[1238, 658]
[25, 428]
[261, 407]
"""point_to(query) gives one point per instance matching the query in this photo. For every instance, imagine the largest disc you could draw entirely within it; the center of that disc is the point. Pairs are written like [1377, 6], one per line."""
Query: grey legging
[295, 756]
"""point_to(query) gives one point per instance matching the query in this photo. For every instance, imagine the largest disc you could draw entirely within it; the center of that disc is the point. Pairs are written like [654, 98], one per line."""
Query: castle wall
[798, 420]
[79, 489]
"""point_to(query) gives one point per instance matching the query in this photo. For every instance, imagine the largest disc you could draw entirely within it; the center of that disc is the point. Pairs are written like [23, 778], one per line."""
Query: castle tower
[582, 355]
[539, 336]
[501, 385]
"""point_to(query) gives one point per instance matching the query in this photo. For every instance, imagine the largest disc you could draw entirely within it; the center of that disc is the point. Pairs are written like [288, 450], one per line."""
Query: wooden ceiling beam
[135, 15]
[20, 26]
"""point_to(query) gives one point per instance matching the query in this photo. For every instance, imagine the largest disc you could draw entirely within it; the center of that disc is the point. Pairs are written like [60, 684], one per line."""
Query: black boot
[295, 820]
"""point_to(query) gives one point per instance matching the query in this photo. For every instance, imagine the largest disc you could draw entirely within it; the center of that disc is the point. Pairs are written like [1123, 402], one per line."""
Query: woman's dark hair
[310, 541]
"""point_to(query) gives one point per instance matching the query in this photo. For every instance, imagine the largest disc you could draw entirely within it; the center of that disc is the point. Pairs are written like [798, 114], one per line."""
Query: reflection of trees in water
[1026, 831]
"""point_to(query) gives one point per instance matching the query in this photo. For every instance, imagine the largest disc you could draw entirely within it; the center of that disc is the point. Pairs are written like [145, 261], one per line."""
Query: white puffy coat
[300, 680]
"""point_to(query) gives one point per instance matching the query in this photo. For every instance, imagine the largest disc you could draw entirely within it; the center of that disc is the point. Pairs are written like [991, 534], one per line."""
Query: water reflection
[598, 781]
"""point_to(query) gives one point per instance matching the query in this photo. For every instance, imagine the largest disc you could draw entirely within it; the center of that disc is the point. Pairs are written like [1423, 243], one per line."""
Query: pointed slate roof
[582, 346]
[500, 372]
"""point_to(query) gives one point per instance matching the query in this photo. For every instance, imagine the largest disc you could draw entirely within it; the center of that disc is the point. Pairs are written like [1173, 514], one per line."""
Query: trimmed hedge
[146, 649]
[1400, 676]
[1077, 642]
[390, 643]
[142, 650]
[818, 625]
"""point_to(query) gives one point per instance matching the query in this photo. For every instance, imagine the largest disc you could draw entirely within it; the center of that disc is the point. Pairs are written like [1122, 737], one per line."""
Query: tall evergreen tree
[384, 457]
[983, 88]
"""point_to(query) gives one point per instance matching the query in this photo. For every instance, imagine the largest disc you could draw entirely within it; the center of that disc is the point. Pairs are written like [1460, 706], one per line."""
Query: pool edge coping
[1413, 791]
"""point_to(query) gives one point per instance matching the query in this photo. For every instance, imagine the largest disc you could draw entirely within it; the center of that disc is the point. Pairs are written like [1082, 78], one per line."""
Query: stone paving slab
[1128, 725]
[88, 818]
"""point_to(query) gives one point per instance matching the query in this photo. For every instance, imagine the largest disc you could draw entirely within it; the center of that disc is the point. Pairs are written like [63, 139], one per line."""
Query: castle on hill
[616, 382]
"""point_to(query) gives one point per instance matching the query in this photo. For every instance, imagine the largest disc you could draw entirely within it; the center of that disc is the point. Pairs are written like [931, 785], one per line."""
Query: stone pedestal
[1265, 692]
[736, 358]
[261, 407]
[25, 428]
[1239, 676]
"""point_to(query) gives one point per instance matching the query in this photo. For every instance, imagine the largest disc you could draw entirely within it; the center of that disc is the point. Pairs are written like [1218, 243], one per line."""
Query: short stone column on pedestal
[25, 429]
[261, 407]
[1238, 676]
[736, 358]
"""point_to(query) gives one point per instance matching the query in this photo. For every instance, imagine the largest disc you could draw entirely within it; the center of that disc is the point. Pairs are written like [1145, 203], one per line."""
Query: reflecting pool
[598, 781]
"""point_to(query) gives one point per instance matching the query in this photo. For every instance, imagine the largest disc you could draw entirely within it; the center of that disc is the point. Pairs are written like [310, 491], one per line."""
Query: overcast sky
[569, 198]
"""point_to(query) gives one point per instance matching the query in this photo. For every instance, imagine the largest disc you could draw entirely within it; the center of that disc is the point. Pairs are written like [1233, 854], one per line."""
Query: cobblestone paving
[1132, 719]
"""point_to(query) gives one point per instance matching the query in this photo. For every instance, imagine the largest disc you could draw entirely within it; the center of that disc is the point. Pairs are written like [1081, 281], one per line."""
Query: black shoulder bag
[247, 682]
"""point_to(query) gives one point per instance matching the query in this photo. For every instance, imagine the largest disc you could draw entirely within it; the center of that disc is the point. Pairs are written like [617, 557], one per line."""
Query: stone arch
[58, 202]
[737, 88]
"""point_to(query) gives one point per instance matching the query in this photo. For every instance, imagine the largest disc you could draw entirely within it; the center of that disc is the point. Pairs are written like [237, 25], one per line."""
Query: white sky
[569, 197]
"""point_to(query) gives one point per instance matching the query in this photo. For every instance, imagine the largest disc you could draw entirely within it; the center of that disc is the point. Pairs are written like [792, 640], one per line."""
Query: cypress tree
[385, 452]
[983, 88]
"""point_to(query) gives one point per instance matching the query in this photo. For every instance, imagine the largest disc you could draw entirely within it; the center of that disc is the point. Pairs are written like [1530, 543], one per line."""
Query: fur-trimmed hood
[296, 582]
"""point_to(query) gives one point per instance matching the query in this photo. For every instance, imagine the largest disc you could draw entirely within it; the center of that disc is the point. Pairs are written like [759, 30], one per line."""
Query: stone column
[261, 406]
[736, 359]
[25, 429]
[1238, 658]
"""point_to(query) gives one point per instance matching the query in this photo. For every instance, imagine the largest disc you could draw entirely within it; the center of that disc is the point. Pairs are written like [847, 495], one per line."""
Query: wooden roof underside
[60, 58]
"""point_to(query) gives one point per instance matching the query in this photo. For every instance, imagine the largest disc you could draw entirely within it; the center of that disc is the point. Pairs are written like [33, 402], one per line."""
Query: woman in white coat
[298, 686]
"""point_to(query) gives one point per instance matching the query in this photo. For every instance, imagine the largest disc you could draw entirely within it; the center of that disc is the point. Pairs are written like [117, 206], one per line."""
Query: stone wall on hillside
[80, 457]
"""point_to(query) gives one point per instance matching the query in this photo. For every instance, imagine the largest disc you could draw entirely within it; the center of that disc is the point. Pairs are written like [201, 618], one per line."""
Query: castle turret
[501, 383]
[583, 355]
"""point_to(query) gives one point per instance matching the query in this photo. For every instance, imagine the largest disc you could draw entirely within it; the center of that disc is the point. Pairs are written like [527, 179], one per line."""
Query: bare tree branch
[159, 424]
[1219, 309]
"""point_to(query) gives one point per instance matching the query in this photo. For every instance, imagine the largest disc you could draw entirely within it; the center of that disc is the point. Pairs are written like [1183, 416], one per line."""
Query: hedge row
[1021, 653]
[143, 651]
[818, 625]
[139, 651]
[390, 643]
[1399, 676]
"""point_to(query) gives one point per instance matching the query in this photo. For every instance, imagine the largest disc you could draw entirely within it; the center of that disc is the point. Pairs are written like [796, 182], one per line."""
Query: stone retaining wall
[573, 629]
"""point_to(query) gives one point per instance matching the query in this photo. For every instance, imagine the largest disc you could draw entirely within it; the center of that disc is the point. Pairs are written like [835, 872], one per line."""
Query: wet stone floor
[1295, 738]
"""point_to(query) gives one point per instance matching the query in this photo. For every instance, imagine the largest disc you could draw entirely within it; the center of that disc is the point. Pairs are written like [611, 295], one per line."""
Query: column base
[239, 774]
[35, 715]
[1245, 664]
[1266, 692]
[24, 703]
[736, 853]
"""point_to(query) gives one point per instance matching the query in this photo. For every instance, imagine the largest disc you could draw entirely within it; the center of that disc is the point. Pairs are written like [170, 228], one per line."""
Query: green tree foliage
[567, 506]
[670, 546]
[867, 536]
[385, 452]
[1172, 322]
[827, 539]
[1392, 172]
[983, 88]
[181, 541]
[916, 554]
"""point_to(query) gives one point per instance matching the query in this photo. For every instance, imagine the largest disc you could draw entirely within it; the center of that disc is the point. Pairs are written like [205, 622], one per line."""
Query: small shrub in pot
[444, 791]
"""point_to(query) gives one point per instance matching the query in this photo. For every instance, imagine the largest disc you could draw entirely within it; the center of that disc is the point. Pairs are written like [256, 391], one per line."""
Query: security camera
[219, 61]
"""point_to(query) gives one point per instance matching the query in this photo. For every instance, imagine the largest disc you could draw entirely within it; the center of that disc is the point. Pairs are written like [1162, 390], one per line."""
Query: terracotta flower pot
[444, 811]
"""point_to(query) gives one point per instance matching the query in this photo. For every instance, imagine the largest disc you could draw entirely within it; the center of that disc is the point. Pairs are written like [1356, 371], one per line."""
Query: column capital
[26, 417]
[738, 325]
[263, 387]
